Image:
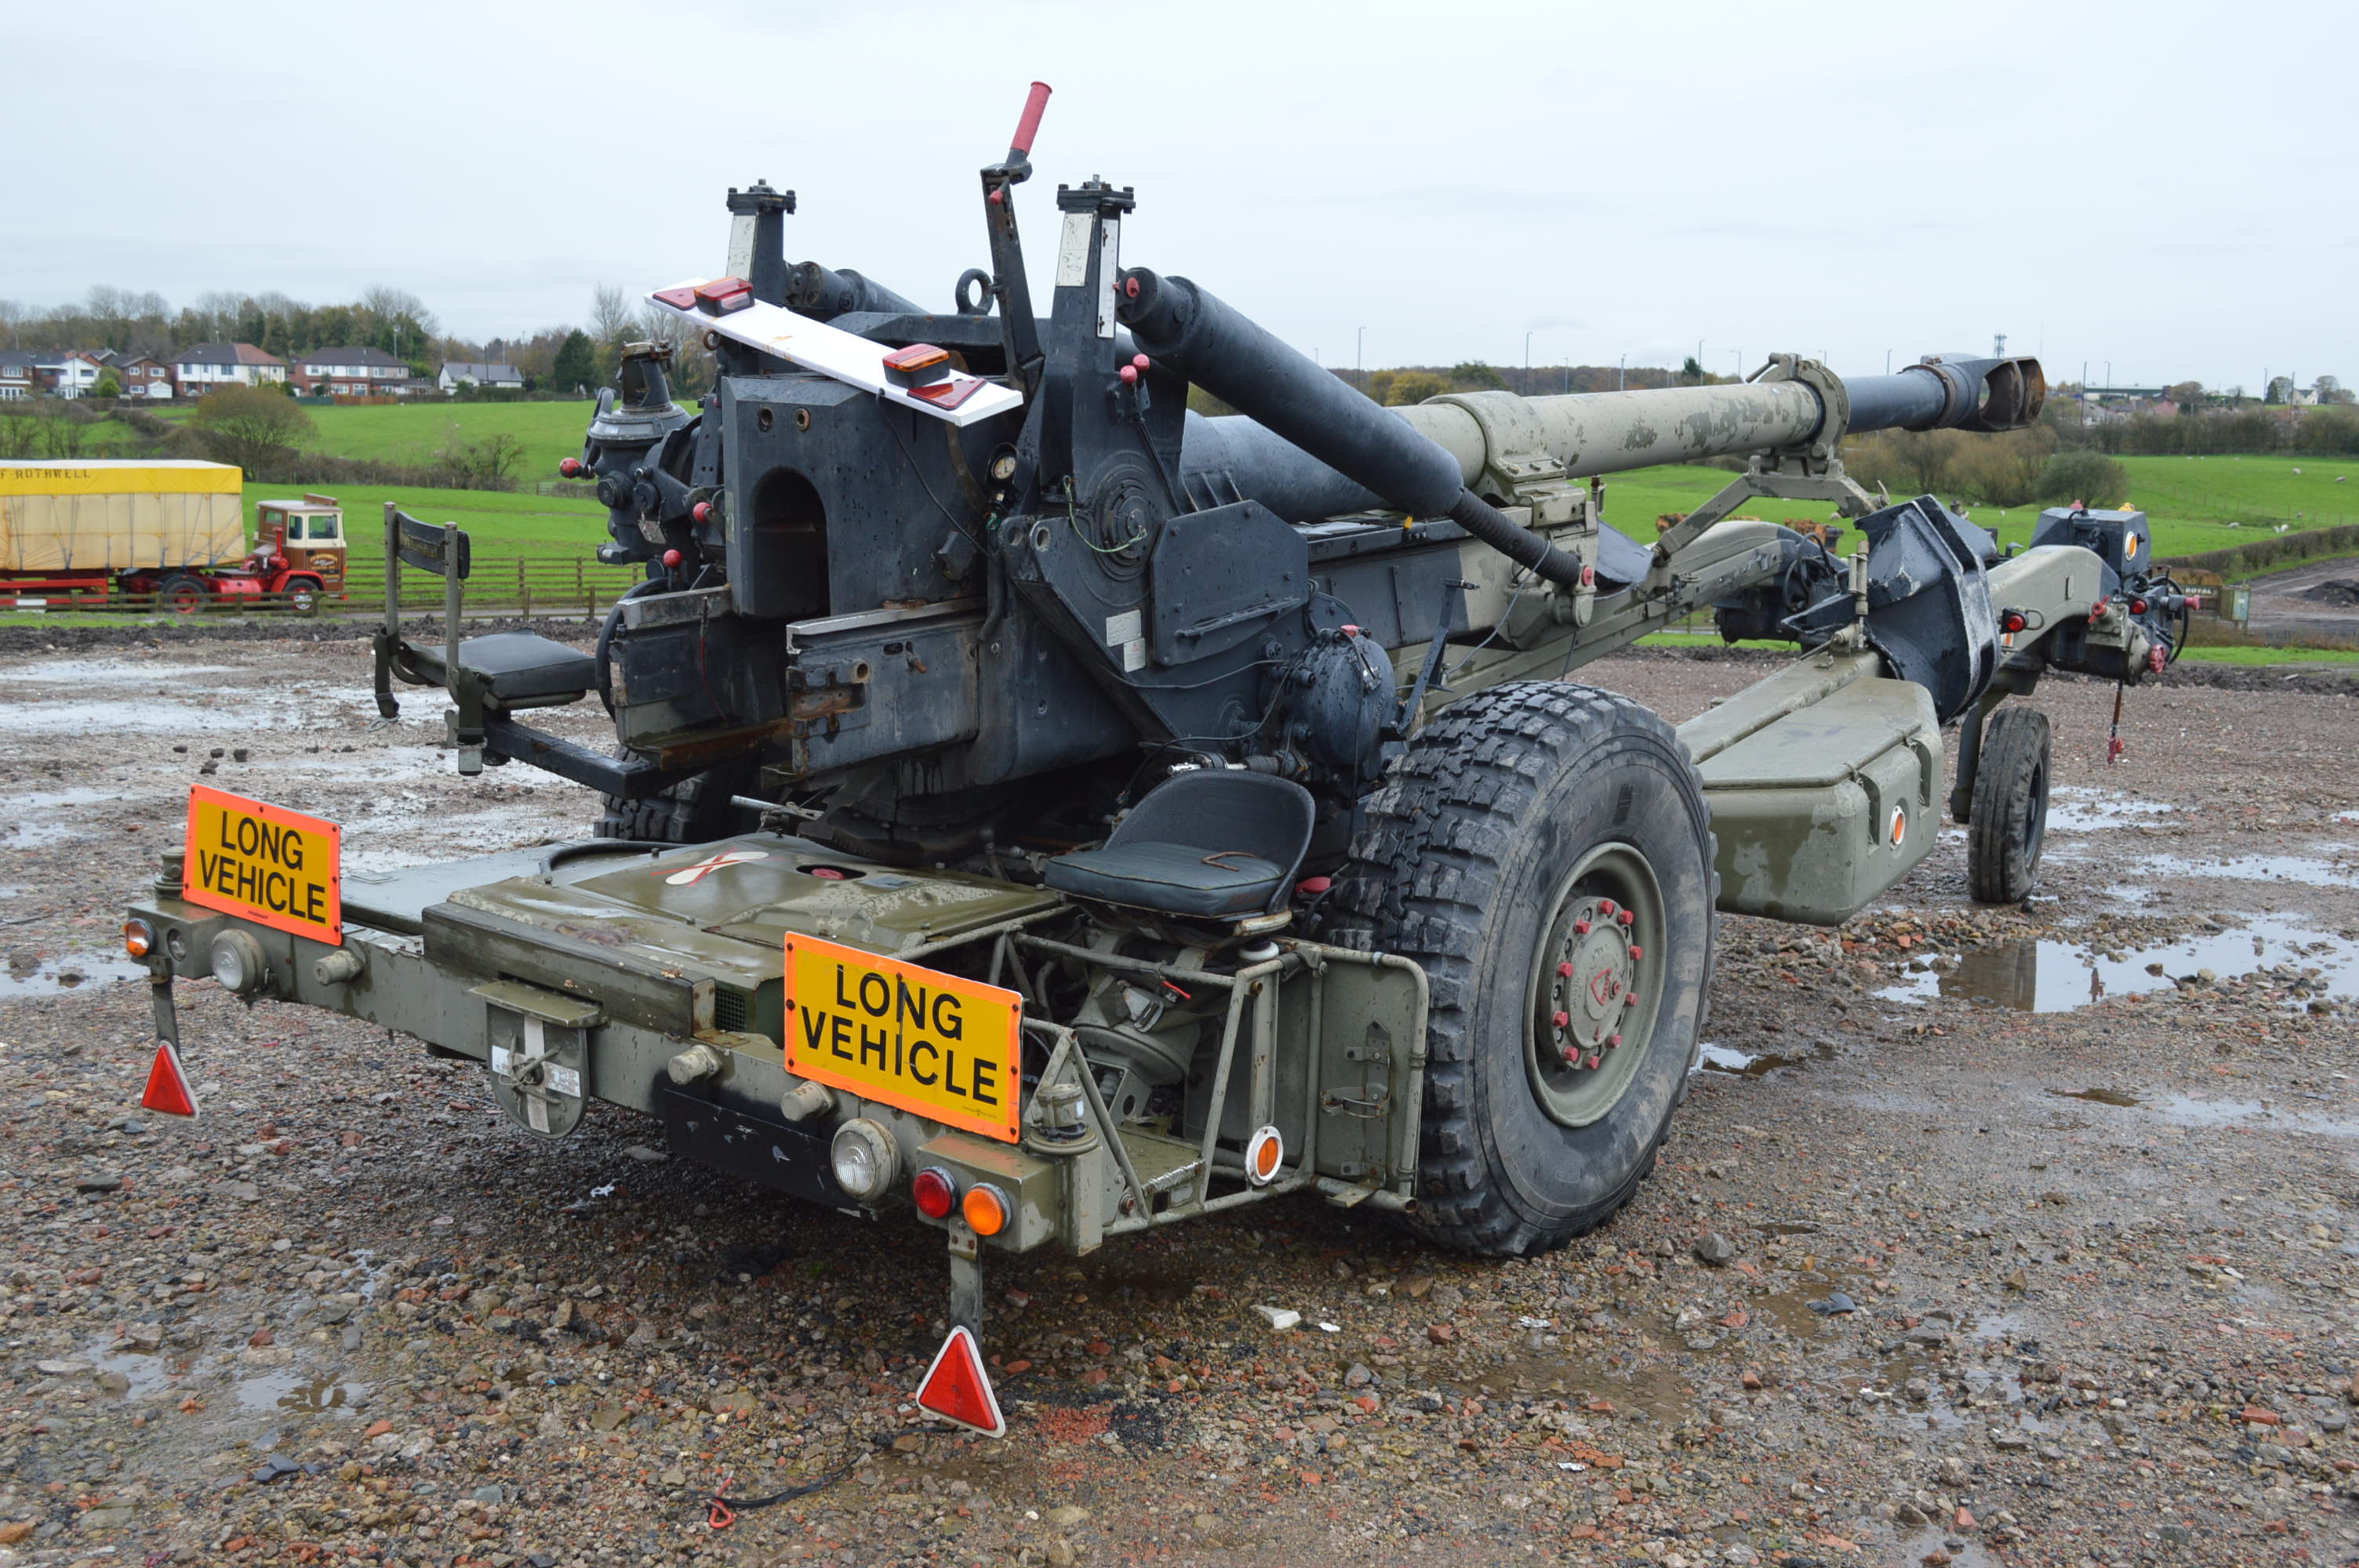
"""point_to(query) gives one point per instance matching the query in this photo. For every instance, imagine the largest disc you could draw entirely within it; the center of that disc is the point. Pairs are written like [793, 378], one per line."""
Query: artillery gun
[1064, 813]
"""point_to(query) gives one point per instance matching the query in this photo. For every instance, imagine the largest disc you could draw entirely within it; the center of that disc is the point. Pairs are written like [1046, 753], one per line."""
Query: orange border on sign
[1004, 1128]
[333, 932]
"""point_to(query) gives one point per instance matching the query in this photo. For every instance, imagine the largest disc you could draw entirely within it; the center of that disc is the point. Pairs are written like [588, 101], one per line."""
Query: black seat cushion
[1216, 842]
[517, 667]
[1178, 879]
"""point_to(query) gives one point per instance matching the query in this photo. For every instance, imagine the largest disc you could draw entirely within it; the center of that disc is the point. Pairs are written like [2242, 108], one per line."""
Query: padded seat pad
[1173, 878]
[519, 666]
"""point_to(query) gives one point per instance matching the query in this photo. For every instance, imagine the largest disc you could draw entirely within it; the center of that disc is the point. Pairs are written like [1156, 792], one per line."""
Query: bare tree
[611, 318]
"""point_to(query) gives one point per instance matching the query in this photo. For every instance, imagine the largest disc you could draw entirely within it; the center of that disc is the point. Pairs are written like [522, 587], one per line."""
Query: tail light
[934, 1193]
[986, 1209]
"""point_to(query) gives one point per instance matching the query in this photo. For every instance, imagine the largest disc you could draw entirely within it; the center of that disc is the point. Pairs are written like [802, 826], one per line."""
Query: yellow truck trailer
[90, 532]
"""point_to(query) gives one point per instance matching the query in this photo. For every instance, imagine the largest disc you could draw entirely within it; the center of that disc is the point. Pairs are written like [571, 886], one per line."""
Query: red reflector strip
[678, 298]
[957, 1388]
[948, 394]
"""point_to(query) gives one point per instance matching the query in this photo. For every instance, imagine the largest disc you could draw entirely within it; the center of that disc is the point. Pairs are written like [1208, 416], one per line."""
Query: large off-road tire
[2007, 822]
[694, 811]
[1503, 853]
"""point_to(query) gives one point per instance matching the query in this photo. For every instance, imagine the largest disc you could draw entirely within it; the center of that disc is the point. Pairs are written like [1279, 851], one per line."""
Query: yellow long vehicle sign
[930, 1043]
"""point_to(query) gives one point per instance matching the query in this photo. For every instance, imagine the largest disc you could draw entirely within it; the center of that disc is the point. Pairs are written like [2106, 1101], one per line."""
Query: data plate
[926, 1043]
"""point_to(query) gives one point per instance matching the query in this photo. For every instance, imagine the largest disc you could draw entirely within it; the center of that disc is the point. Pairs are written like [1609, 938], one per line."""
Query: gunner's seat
[1220, 844]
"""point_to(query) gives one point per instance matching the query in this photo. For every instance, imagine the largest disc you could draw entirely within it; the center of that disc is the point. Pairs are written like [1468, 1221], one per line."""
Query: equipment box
[1823, 809]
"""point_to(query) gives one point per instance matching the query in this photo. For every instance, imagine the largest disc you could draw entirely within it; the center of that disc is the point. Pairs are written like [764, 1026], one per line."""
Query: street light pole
[1621, 374]
[1359, 354]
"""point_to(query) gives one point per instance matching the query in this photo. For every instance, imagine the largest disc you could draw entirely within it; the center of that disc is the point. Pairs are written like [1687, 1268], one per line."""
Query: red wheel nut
[1594, 1058]
[1562, 1019]
[1581, 928]
[1637, 952]
[1625, 917]
[671, 557]
[1606, 906]
[1564, 971]
[1613, 1039]
[570, 467]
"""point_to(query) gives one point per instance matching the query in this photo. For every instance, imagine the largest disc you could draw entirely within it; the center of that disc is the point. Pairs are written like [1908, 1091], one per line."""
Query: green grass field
[2191, 501]
[412, 433]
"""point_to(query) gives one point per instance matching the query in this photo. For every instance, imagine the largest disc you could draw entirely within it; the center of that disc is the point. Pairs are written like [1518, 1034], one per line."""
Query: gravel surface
[1946, 1263]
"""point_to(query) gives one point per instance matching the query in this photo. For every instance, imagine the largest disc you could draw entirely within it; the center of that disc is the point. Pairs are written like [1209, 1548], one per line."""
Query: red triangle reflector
[958, 1389]
[167, 1091]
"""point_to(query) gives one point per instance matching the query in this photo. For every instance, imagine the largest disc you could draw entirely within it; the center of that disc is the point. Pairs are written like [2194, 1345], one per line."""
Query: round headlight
[238, 963]
[865, 1158]
[138, 937]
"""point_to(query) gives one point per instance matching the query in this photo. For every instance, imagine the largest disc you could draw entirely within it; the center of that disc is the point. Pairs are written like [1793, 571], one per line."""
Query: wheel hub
[1593, 984]
[1594, 987]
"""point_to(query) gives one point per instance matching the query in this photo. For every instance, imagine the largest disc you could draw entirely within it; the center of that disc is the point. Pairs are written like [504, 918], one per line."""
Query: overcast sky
[2166, 186]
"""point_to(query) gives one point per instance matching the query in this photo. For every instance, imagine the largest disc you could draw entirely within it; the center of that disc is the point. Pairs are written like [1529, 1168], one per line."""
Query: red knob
[1129, 375]
[570, 467]
[701, 511]
[1141, 360]
[1130, 287]
[671, 557]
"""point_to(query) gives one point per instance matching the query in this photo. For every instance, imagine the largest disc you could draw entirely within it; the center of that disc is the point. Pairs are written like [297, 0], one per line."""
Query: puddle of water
[291, 1389]
[34, 835]
[2075, 810]
[2098, 1096]
[79, 795]
[2307, 870]
[148, 1372]
[155, 715]
[51, 975]
[2185, 1111]
[106, 671]
[2056, 977]
[1716, 1058]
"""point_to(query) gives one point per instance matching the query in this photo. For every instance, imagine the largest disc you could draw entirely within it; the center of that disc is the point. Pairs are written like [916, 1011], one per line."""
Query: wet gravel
[1938, 1266]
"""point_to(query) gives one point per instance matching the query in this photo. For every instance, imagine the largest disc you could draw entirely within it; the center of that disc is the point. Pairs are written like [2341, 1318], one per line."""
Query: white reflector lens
[237, 962]
[865, 1158]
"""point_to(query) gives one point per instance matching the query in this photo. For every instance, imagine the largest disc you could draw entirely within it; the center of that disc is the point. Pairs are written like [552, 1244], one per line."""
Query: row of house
[201, 368]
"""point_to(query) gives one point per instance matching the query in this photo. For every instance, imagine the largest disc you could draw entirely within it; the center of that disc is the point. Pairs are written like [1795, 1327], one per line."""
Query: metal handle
[1026, 128]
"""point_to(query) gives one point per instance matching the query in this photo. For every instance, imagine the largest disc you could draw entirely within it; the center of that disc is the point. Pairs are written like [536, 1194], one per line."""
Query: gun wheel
[2008, 821]
[1545, 852]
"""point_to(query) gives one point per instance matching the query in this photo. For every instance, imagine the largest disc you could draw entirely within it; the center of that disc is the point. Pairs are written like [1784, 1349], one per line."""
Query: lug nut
[1593, 1059]
[1564, 971]
[1625, 917]
[1615, 1039]
[1637, 952]
[1606, 906]
[1581, 928]
[1562, 1019]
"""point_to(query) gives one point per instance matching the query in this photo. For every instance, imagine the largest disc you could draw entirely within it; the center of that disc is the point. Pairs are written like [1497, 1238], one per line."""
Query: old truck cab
[298, 549]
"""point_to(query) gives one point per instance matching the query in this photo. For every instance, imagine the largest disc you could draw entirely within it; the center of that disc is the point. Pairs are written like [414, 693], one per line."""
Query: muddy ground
[2002, 1273]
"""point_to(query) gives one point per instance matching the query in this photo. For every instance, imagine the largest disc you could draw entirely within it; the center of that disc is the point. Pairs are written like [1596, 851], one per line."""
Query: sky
[2164, 187]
